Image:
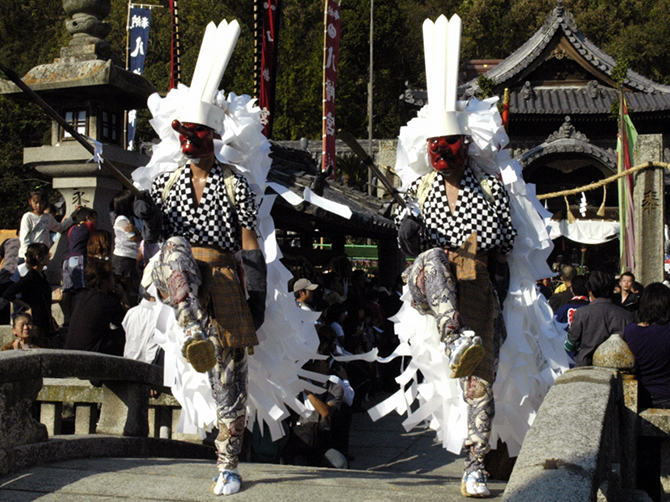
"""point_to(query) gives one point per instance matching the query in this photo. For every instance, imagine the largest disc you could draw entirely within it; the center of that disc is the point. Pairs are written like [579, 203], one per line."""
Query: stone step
[106, 479]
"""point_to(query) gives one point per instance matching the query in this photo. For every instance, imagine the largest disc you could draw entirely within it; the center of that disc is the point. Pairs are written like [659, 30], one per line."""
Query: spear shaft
[356, 147]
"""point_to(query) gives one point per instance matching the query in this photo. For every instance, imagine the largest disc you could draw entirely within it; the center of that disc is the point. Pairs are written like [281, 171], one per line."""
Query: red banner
[175, 63]
[269, 45]
[331, 47]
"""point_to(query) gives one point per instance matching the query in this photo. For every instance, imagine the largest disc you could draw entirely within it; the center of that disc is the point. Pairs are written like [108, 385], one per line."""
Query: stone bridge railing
[56, 376]
[583, 443]
[125, 392]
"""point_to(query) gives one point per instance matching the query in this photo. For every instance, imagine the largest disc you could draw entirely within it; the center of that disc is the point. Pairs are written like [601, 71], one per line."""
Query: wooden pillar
[391, 260]
[306, 239]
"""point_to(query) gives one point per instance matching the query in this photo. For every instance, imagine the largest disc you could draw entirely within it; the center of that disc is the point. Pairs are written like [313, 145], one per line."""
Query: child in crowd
[74, 261]
[33, 292]
[99, 245]
[23, 329]
[36, 224]
[126, 244]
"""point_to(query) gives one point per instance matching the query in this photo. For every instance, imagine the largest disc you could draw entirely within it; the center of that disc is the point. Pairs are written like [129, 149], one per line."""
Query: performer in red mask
[197, 141]
[208, 213]
[457, 224]
[448, 153]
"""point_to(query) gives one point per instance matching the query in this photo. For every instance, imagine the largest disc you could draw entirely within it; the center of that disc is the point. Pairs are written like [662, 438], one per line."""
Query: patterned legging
[478, 394]
[177, 276]
[229, 383]
[434, 292]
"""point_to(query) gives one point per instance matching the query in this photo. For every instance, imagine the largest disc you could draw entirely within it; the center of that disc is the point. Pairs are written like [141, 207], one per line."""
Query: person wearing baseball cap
[303, 289]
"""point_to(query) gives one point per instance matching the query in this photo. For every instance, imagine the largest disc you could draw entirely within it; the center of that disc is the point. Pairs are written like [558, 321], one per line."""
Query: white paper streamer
[287, 194]
[532, 357]
[328, 205]
[97, 155]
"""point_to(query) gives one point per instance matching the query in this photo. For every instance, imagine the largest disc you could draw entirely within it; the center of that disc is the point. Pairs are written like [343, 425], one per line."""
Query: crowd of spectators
[354, 320]
[92, 298]
[593, 308]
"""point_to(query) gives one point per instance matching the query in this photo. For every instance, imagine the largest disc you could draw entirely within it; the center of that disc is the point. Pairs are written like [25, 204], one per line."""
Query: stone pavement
[390, 465]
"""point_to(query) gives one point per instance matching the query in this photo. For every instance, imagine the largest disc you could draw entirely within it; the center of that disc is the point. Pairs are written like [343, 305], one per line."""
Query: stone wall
[573, 452]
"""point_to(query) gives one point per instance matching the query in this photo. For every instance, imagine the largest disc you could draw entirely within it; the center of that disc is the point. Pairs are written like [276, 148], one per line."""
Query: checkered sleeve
[409, 196]
[157, 187]
[245, 200]
[507, 230]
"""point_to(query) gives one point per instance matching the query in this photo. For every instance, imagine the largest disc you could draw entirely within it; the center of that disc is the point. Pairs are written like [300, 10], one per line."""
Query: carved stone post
[125, 409]
[87, 28]
[18, 426]
[648, 202]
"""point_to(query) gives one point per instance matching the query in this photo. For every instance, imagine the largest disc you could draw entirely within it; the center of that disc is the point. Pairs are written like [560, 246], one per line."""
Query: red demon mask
[448, 153]
[197, 141]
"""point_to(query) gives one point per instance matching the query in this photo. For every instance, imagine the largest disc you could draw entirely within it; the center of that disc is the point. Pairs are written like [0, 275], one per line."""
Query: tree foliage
[32, 32]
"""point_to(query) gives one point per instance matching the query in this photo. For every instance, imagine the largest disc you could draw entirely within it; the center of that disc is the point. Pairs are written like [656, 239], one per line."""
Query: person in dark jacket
[33, 292]
[594, 323]
[649, 340]
[96, 309]
[627, 298]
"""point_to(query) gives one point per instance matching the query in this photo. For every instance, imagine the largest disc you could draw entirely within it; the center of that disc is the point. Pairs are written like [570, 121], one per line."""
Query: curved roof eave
[561, 19]
[568, 145]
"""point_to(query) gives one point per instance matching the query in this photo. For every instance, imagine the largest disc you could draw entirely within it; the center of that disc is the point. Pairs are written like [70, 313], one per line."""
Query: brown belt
[465, 259]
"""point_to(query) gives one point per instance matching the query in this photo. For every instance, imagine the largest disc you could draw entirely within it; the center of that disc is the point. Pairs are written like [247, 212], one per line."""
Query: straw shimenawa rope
[606, 181]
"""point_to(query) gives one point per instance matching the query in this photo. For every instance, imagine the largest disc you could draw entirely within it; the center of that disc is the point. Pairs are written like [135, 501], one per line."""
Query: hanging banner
[626, 140]
[175, 63]
[331, 47]
[138, 41]
[269, 45]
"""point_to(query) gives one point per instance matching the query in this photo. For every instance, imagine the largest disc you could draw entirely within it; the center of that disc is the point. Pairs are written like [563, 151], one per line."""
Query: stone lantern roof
[87, 69]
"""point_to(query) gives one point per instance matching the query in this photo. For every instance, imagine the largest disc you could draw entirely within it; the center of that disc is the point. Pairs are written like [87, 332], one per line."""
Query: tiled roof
[296, 169]
[643, 95]
[577, 100]
[561, 20]
[582, 100]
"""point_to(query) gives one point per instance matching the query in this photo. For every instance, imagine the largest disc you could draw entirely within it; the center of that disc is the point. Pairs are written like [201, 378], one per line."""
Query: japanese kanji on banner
[331, 47]
[266, 98]
[138, 40]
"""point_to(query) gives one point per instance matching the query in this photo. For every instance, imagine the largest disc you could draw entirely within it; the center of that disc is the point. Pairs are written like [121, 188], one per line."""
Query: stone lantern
[90, 89]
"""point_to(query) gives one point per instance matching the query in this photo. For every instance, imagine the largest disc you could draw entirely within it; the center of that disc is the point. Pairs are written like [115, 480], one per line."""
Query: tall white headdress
[236, 118]
[215, 52]
[442, 47]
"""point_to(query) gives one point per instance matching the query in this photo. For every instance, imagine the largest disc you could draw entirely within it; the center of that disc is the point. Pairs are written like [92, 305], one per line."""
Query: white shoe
[474, 485]
[227, 482]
